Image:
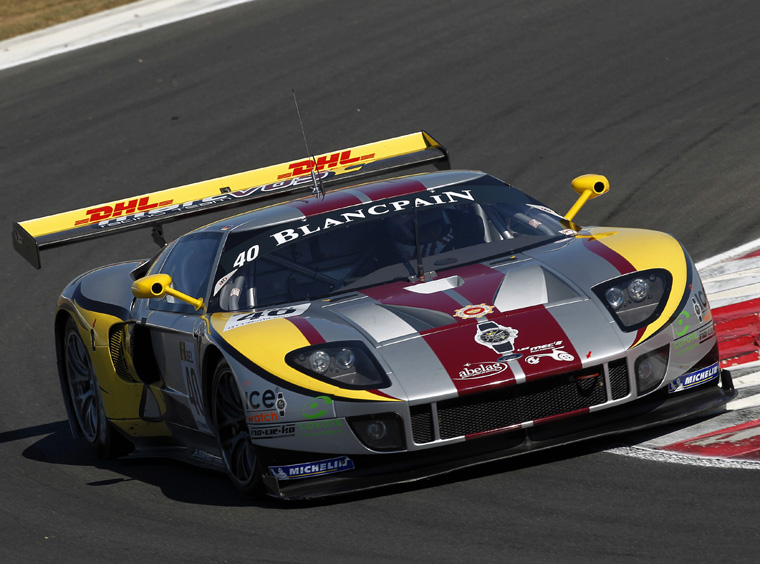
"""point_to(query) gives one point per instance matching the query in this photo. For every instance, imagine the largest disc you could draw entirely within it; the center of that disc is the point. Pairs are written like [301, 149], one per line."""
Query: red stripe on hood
[308, 330]
[395, 294]
[480, 286]
[541, 348]
[615, 259]
[482, 283]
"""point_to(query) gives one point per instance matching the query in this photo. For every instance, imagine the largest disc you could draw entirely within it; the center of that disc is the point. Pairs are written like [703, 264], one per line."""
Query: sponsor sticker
[223, 280]
[311, 469]
[243, 319]
[204, 456]
[689, 342]
[556, 354]
[268, 405]
[497, 337]
[322, 427]
[322, 406]
[694, 379]
[341, 158]
[546, 210]
[273, 431]
[476, 370]
[473, 311]
[126, 207]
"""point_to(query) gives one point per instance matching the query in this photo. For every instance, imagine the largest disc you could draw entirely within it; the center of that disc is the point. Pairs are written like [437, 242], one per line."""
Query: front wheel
[238, 453]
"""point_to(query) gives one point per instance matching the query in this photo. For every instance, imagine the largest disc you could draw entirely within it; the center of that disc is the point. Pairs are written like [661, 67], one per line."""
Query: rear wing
[157, 208]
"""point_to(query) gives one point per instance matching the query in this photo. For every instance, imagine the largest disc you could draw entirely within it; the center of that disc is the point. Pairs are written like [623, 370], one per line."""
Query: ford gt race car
[375, 334]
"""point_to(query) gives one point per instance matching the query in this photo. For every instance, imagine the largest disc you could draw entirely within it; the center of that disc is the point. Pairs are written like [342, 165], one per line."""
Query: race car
[373, 334]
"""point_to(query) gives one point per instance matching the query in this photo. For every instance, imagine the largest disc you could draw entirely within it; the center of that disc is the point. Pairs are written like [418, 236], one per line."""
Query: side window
[189, 263]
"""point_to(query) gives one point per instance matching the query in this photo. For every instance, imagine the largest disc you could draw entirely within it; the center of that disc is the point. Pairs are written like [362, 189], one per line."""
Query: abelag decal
[341, 158]
[477, 370]
[694, 379]
[311, 469]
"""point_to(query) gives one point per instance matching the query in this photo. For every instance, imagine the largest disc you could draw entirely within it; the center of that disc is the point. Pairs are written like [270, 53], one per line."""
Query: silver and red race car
[375, 334]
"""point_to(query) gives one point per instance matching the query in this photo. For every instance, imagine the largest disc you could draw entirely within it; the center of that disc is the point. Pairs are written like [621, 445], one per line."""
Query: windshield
[377, 243]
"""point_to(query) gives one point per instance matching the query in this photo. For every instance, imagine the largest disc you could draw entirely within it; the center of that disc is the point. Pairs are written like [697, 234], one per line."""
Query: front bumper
[373, 471]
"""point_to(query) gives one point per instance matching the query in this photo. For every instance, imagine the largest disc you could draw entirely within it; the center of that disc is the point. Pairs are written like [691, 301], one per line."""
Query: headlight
[636, 299]
[650, 369]
[615, 297]
[638, 289]
[348, 364]
[379, 432]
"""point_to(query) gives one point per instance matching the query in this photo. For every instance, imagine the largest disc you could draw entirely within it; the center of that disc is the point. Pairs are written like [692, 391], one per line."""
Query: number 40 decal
[246, 256]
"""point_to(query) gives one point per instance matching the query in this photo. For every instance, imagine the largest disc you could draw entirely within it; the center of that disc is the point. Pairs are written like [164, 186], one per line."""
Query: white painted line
[744, 403]
[104, 26]
[746, 380]
[733, 296]
[730, 254]
[690, 460]
[730, 268]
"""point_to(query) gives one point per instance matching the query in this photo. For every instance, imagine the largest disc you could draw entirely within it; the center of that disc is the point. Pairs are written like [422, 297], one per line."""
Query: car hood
[495, 323]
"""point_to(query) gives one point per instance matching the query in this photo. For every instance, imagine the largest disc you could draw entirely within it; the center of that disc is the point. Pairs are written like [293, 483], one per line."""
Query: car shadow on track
[189, 484]
[176, 480]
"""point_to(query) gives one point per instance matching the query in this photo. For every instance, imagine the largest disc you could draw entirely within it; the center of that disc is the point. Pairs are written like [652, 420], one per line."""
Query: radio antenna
[318, 189]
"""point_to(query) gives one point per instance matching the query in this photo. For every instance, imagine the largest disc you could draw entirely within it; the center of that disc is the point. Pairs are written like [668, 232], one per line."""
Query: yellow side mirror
[157, 286]
[588, 186]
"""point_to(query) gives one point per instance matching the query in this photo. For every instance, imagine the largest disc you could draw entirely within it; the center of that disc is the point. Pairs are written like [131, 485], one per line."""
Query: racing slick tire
[86, 400]
[239, 454]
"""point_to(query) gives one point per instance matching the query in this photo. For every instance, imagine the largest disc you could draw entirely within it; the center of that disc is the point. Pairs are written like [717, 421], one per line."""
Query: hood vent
[531, 286]
[420, 319]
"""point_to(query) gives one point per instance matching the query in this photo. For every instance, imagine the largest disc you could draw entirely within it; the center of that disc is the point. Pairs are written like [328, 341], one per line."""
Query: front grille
[619, 384]
[516, 404]
[422, 423]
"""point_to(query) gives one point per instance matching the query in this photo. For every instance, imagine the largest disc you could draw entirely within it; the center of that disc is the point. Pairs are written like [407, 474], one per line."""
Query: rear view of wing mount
[164, 206]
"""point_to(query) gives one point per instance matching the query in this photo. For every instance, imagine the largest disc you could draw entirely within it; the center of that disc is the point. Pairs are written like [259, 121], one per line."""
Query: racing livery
[373, 334]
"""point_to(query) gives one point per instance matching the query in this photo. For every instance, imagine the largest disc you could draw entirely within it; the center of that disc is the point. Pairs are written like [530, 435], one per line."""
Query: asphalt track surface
[660, 96]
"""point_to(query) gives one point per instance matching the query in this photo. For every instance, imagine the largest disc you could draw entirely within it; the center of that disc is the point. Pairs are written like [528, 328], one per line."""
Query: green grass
[24, 16]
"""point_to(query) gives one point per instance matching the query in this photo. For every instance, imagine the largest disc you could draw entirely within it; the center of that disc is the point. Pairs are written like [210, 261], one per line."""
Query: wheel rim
[83, 387]
[238, 452]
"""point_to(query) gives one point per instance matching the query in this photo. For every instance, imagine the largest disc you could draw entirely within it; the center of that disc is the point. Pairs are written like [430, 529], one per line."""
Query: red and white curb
[731, 439]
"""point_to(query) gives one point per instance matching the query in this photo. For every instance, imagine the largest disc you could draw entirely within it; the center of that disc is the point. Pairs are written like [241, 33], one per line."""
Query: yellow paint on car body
[646, 249]
[267, 342]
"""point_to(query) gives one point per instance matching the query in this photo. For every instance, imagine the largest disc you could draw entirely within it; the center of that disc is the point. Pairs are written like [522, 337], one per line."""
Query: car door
[174, 329]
